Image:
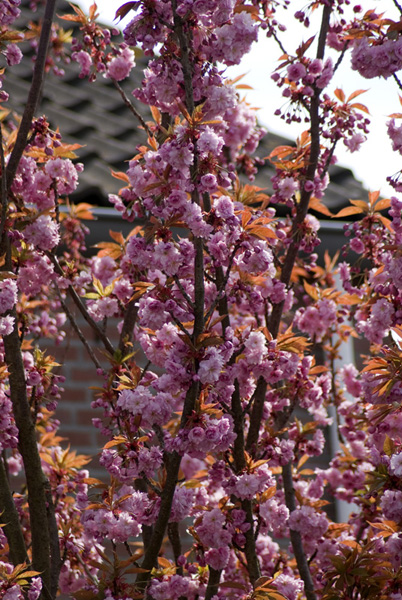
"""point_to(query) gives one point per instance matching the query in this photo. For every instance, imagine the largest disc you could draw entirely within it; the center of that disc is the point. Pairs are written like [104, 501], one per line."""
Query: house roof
[95, 116]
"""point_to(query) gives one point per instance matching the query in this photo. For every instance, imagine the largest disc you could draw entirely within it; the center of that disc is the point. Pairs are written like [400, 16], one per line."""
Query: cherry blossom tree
[238, 324]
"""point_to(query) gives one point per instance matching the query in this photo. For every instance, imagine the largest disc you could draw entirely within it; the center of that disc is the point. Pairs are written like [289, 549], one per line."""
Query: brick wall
[74, 410]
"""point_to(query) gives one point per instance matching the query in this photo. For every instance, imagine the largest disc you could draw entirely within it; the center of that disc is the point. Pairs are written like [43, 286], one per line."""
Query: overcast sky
[375, 160]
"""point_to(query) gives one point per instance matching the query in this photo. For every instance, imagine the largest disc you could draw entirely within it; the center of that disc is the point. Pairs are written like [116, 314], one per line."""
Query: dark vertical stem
[155, 542]
[277, 311]
[174, 459]
[253, 565]
[27, 445]
[175, 542]
[295, 536]
[213, 583]
[44, 552]
[34, 91]
[10, 517]
[3, 189]
[126, 334]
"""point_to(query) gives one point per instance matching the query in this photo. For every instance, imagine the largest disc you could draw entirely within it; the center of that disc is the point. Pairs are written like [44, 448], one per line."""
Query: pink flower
[211, 531]
[13, 593]
[217, 558]
[210, 142]
[210, 367]
[35, 588]
[119, 67]
[349, 374]
[224, 207]
[326, 74]
[395, 133]
[289, 586]
[85, 62]
[354, 142]
[43, 233]
[396, 465]
[287, 187]
[296, 71]
[255, 347]
[13, 55]
[357, 245]
[391, 504]
[315, 67]
[8, 294]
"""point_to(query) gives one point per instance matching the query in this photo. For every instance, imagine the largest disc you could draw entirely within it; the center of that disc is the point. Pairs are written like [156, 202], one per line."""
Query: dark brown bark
[10, 518]
[28, 447]
[295, 537]
[213, 583]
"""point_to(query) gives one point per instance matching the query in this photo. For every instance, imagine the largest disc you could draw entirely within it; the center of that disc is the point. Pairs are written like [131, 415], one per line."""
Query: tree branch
[129, 320]
[34, 92]
[10, 517]
[295, 536]
[77, 330]
[131, 107]
[82, 308]
[213, 583]
[175, 542]
[27, 445]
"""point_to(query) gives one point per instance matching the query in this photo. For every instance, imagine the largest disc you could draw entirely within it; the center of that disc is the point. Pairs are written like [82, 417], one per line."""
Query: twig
[341, 57]
[185, 59]
[3, 189]
[82, 308]
[34, 92]
[131, 107]
[55, 558]
[398, 6]
[221, 283]
[77, 330]
[398, 81]
[295, 536]
[183, 292]
[253, 566]
[277, 311]
[277, 40]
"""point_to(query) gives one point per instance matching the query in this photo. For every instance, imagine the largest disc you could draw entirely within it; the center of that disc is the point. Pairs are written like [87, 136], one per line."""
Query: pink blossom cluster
[17, 592]
[36, 184]
[127, 465]
[120, 66]
[13, 55]
[197, 291]
[43, 233]
[153, 409]
[9, 432]
[8, 294]
[307, 521]
[317, 319]
[9, 11]
[377, 60]
[247, 485]
[376, 327]
[210, 436]
[395, 133]
[174, 587]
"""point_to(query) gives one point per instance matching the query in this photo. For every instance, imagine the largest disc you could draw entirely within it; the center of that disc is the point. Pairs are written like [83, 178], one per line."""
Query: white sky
[375, 160]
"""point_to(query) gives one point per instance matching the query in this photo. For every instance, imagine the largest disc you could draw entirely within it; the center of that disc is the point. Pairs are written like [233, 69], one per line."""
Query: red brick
[84, 417]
